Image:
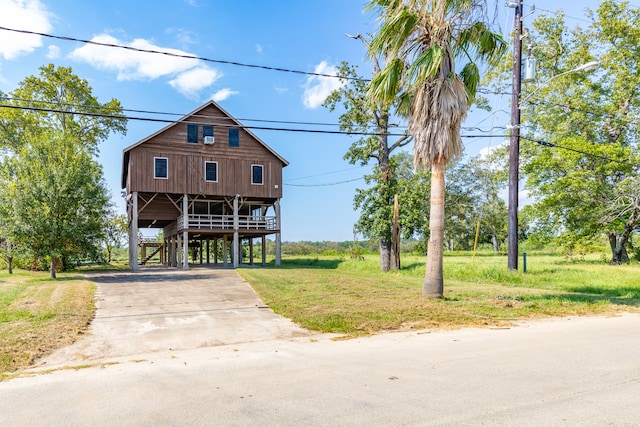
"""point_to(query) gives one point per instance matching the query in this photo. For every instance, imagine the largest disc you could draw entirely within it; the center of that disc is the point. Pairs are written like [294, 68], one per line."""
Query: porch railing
[225, 222]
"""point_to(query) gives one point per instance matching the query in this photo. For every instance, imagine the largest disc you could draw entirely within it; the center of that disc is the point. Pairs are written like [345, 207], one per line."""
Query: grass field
[353, 297]
[39, 315]
[332, 294]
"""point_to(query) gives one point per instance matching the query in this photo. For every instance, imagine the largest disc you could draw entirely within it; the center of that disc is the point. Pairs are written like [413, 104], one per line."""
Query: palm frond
[387, 83]
[394, 32]
[470, 76]
[426, 65]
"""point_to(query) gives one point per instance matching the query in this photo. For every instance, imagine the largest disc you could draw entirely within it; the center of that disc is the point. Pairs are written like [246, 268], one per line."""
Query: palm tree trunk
[433, 285]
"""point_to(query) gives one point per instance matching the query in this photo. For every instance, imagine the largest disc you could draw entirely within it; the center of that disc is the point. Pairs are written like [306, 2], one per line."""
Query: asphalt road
[563, 372]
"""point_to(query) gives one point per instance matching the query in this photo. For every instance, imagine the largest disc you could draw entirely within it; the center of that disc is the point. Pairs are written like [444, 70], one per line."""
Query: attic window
[192, 133]
[234, 137]
[207, 130]
[160, 167]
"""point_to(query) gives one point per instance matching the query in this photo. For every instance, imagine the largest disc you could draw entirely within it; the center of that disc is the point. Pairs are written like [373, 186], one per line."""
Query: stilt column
[236, 237]
[133, 232]
[276, 206]
[185, 233]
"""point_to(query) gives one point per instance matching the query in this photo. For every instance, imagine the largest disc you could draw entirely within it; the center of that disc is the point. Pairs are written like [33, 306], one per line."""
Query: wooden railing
[225, 222]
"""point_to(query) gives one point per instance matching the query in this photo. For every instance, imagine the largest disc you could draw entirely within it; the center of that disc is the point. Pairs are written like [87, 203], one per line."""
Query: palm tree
[421, 40]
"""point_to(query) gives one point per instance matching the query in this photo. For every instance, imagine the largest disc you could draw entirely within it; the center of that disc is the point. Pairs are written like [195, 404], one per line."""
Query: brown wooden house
[209, 183]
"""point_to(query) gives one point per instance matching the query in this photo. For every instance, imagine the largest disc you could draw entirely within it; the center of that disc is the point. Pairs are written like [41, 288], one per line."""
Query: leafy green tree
[421, 40]
[580, 144]
[55, 201]
[116, 232]
[52, 194]
[374, 222]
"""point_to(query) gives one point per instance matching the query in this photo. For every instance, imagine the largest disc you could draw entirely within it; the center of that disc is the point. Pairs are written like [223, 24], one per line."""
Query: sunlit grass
[38, 315]
[343, 295]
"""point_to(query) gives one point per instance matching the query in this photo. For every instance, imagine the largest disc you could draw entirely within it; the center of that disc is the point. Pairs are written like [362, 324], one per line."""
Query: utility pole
[514, 143]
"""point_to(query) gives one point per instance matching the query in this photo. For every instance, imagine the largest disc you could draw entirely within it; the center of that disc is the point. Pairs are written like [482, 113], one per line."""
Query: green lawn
[353, 297]
[39, 315]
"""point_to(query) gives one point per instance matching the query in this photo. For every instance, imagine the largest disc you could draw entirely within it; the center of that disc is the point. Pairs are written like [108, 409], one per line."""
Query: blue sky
[292, 34]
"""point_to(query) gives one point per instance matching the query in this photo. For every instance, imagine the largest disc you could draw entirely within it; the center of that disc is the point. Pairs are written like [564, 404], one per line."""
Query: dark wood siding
[186, 161]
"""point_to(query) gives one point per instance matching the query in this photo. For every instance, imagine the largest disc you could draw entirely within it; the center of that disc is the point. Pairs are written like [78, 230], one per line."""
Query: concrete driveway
[165, 310]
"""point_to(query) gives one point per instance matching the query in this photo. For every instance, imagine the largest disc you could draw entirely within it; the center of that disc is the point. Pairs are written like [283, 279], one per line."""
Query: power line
[567, 16]
[161, 113]
[319, 131]
[168, 121]
[178, 55]
[324, 185]
[597, 156]
[157, 120]
[324, 173]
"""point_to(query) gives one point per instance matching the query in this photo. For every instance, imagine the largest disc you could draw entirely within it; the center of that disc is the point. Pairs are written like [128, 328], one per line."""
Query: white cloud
[485, 152]
[318, 88]
[223, 94]
[258, 48]
[25, 15]
[190, 82]
[53, 52]
[132, 65]
[281, 90]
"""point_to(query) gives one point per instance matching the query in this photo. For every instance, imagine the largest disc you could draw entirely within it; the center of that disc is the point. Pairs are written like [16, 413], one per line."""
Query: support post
[514, 143]
[174, 251]
[264, 251]
[225, 250]
[185, 233]
[215, 251]
[133, 233]
[143, 252]
[251, 251]
[236, 238]
[276, 207]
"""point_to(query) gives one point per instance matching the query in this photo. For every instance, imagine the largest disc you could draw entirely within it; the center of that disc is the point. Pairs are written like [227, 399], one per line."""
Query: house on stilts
[210, 184]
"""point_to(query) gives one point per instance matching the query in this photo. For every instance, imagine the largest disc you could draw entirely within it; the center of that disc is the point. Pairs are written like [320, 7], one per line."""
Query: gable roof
[125, 152]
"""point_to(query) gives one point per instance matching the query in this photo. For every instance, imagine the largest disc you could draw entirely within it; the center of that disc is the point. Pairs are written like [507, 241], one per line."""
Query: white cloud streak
[132, 65]
[223, 94]
[190, 82]
[53, 52]
[187, 76]
[318, 88]
[25, 15]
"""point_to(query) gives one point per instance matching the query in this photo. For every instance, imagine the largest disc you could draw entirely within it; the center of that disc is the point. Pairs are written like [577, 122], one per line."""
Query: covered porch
[199, 230]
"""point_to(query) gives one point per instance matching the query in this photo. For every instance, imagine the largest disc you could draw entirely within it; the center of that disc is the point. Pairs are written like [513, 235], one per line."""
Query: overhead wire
[324, 185]
[324, 173]
[280, 69]
[180, 55]
[161, 113]
[168, 121]
[114, 116]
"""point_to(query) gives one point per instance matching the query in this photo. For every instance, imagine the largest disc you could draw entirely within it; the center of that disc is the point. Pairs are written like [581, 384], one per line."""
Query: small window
[256, 174]
[192, 133]
[207, 130]
[234, 137]
[201, 208]
[211, 171]
[161, 167]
